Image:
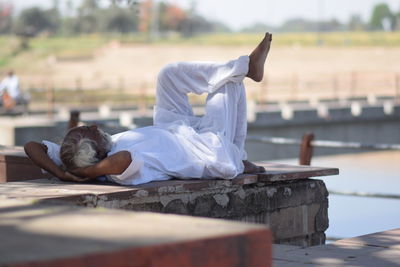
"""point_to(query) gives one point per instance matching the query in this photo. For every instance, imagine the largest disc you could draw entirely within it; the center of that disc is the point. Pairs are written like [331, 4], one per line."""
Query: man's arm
[114, 164]
[37, 152]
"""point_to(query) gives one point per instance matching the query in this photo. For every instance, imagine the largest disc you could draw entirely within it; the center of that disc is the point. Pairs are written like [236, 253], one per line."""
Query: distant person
[179, 144]
[9, 90]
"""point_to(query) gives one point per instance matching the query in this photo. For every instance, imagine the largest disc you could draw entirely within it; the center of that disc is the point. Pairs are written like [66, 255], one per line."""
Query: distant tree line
[381, 19]
[91, 17]
[130, 16]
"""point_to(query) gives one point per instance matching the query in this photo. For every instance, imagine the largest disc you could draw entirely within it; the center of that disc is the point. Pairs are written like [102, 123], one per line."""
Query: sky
[241, 13]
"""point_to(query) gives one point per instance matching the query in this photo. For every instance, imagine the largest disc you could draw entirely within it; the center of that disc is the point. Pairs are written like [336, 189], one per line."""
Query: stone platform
[63, 235]
[373, 250]
[16, 166]
[294, 207]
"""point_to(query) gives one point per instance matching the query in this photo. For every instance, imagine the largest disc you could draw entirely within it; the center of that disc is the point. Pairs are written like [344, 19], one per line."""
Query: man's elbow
[30, 146]
[126, 160]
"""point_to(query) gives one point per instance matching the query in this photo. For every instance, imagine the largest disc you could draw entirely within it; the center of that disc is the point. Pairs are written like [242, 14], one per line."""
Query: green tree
[69, 25]
[88, 17]
[54, 17]
[194, 25]
[396, 26]
[117, 19]
[33, 21]
[356, 23]
[30, 23]
[381, 13]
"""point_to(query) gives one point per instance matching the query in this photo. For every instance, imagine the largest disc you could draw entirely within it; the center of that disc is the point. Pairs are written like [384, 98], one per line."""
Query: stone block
[44, 235]
[293, 221]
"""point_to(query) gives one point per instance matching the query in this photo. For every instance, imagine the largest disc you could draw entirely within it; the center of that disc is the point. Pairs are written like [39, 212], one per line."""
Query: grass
[96, 97]
[280, 39]
[67, 46]
[12, 56]
[7, 48]
[84, 46]
[89, 97]
[288, 39]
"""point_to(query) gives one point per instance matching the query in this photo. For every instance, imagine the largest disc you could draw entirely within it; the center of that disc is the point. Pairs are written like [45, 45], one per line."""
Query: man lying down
[179, 144]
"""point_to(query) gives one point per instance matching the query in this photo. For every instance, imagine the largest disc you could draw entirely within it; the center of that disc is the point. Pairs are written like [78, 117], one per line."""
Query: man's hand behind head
[70, 177]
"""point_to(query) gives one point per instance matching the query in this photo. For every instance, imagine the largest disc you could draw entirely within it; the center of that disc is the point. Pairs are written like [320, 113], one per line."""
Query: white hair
[85, 155]
[77, 151]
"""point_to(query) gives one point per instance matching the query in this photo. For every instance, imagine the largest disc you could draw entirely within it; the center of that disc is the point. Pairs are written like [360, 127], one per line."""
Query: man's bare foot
[252, 168]
[258, 57]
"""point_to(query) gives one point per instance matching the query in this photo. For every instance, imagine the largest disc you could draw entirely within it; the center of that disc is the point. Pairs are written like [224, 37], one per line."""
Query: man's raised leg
[256, 73]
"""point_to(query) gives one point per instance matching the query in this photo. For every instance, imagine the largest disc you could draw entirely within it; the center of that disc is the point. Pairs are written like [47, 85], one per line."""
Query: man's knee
[167, 72]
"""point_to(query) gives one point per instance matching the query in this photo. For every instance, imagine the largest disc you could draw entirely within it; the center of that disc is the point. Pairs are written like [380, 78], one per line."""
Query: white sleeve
[53, 151]
[131, 173]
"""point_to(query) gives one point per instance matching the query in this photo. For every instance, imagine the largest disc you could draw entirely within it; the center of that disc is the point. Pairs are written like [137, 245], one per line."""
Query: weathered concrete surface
[294, 207]
[378, 249]
[48, 235]
[285, 172]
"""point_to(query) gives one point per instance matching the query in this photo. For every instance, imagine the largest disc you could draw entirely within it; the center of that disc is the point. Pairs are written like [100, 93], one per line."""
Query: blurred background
[112, 50]
[334, 70]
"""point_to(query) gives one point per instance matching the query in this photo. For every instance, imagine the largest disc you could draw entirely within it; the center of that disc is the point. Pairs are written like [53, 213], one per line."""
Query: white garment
[180, 144]
[11, 85]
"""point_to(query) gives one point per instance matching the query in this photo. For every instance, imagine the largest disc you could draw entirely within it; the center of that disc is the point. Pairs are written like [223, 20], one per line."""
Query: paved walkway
[374, 250]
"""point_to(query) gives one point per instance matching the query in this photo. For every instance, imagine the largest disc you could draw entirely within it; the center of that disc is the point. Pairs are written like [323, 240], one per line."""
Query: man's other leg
[227, 107]
[226, 114]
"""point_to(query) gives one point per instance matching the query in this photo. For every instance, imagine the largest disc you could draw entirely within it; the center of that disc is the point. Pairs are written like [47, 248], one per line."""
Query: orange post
[50, 101]
[335, 86]
[306, 149]
[397, 88]
[73, 119]
[353, 84]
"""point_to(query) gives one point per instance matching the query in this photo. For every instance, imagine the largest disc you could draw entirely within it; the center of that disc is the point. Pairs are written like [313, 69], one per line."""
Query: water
[372, 172]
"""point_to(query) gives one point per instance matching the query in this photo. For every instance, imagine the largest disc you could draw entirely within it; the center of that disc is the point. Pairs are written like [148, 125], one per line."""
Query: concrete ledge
[293, 206]
[45, 235]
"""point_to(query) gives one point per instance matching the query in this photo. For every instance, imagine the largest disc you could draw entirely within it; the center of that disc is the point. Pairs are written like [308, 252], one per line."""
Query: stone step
[46, 235]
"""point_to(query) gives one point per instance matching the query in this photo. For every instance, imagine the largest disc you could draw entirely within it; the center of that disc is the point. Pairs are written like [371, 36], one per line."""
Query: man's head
[10, 73]
[84, 146]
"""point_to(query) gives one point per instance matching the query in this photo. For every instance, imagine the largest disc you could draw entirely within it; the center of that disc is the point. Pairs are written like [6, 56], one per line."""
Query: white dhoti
[180, 144]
